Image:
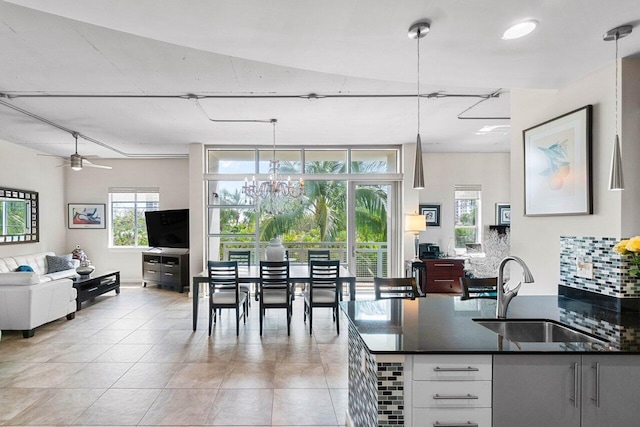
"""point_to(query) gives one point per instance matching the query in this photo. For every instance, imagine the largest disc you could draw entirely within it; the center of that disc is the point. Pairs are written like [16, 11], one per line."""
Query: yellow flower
[621, 247]
[634, 244]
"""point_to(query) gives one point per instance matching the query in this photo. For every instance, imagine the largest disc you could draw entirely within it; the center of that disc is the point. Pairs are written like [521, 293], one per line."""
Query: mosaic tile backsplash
[610, 270]
[376, 393]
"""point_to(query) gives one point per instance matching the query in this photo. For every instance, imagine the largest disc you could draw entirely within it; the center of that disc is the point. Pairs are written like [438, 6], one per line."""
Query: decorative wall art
[431, 214]
[557, 165]
[19, 217]
[87, 215]
[503, 214]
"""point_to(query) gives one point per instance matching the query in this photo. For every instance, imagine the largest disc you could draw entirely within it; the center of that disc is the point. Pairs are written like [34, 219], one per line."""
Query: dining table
[298, 273]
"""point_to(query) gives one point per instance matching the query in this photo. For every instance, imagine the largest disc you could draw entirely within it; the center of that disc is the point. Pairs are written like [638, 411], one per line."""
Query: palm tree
[324, 207]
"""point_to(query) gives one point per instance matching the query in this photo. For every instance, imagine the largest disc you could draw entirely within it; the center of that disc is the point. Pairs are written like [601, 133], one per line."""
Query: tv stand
[166, 267]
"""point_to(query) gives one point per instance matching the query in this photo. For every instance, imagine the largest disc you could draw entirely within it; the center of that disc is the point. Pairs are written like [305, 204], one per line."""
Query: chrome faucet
[505, 297]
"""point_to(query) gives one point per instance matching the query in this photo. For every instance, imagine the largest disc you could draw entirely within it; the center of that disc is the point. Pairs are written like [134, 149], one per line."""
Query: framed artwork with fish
[557, 165]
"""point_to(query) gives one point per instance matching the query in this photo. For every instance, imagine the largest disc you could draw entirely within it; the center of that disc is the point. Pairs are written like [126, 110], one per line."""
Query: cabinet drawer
[170, 277]
[444, 269]
[458, 417]
[151, 273]
[151, 266]
[443, 285]
[452, 394]
[453, 367]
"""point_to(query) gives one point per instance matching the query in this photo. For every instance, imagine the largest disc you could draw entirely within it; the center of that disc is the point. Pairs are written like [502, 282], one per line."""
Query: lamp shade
[415, 223]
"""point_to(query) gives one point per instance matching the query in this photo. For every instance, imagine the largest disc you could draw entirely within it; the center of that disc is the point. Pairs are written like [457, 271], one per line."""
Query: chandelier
[274, 195]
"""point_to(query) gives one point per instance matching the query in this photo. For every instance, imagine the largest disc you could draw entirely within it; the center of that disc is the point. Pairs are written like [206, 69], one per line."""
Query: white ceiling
[146, 48]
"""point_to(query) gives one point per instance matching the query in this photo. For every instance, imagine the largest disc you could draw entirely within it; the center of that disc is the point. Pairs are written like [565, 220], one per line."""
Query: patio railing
[371, 257]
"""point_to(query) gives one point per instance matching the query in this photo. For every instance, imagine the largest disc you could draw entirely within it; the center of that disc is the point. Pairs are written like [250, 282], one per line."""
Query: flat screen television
[168, 229]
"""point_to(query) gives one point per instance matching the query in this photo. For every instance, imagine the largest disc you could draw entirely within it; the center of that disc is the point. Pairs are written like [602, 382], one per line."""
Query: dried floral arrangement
[495, 247]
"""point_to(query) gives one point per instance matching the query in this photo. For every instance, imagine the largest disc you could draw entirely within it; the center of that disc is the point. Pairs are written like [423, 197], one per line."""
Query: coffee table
[97, 283]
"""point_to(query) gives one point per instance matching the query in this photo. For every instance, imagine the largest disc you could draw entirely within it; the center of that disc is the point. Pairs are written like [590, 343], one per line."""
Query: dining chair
[479, 288]
[244, 261]
[275, 291]
[323, 290]
[395, 287]
[224, 291]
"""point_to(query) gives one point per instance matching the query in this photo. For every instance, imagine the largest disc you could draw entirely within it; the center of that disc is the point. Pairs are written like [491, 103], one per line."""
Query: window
[467, 215]
[127, 206]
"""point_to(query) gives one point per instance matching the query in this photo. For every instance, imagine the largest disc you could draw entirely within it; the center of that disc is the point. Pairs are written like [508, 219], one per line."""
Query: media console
[167, 268]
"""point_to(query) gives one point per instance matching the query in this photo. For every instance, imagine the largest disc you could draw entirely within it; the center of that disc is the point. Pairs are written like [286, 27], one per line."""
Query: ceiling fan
[76, 161]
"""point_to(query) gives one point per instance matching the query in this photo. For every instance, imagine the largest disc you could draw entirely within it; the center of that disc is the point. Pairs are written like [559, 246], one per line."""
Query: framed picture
[83, 215]
[431, 214]
[557, 165]
[503, 214]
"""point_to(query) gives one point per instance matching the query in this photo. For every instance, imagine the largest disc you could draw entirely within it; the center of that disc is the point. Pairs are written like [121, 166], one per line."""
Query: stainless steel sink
[535, 330]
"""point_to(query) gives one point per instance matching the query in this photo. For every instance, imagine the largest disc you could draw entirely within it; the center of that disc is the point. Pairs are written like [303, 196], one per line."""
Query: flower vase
[275, 250]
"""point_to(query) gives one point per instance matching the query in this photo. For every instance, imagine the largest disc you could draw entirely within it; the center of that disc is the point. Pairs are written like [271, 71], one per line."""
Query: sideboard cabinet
[442, 275]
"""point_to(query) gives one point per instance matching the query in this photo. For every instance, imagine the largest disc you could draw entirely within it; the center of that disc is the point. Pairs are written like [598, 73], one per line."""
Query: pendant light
[616, 178]
[418, 31]
[76, 159]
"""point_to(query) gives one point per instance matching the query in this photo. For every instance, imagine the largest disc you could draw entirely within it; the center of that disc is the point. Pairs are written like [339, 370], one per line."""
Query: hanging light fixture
[76, 159]
[275, 194]
[616, 178]
[418, 31]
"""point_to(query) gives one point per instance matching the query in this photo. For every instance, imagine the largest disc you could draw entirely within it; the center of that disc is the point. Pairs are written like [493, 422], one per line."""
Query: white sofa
[31, 299]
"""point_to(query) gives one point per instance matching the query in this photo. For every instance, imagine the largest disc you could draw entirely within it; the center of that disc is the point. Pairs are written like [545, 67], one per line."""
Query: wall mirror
[18, 216]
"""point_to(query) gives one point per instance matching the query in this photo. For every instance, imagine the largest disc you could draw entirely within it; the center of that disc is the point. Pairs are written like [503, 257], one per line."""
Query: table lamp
[415, 223]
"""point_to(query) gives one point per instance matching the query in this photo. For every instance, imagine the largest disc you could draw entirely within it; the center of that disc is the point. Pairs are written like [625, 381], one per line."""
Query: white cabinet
[566, 390]
[451, 390]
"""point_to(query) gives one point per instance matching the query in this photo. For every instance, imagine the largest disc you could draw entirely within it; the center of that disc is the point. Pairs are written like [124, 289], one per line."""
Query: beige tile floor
[133, 359]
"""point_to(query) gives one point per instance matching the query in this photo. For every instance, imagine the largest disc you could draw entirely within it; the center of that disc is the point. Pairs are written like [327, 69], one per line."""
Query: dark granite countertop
[436, 325]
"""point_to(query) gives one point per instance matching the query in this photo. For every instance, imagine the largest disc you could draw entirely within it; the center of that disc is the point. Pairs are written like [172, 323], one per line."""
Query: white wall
[91, 185]
[197, 203]
[443, 171]
[22, 168]
[630, 143]
[537, 239]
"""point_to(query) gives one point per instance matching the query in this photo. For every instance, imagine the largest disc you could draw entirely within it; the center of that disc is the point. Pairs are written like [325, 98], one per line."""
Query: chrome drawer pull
[467, 424]
[455, 397]
[574, 399]
[168, 274]
[597, 397]
[443, 265]
[467, 369]
[151, 271]
[443, 280]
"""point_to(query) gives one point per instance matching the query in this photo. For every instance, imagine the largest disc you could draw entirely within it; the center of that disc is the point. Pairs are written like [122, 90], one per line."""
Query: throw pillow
[24, 268]
[59, 263]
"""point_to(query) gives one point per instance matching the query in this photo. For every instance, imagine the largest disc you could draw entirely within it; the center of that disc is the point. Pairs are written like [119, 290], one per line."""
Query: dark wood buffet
[441, 275]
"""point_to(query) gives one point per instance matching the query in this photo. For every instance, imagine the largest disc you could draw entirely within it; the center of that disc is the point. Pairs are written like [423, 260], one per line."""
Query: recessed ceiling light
[519, 30]
[494, 130]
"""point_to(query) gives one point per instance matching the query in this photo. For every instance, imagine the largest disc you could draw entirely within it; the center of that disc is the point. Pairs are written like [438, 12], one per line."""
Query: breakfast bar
[440, 361]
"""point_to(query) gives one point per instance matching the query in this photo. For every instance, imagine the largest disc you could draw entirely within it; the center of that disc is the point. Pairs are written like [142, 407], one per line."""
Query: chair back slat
[274, 274]
[242, 257]
[318, 255]
[223, 275]
[395, 287]
[324, 273]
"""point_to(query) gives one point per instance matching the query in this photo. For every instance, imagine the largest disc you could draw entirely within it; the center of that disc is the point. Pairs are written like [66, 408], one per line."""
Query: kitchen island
[426, 362]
